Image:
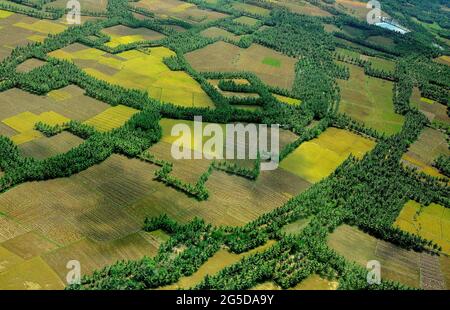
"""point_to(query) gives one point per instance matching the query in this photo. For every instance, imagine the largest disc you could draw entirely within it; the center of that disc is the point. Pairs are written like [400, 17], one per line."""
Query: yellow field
[318, 158]
[111, 118]
[42, 26]
[5, 14]
[146, 72]
[315, 282]
[422, 167]
[24, 124]
[59, 95]
[287, 100]
[426, 100]
[33, 274]
[36, 38]
[118, 40]
[431, 222]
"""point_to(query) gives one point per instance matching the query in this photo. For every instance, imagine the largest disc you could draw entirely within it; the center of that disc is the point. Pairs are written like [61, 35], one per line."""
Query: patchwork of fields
[85, 191]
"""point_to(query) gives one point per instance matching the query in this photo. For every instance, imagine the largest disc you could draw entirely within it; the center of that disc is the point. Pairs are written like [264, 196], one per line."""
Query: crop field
[246, 20]
[288, 100]
[369, 100]
[124, 35]
[215, 32]
[217, 262]
[152, 200]
[138, 70]
[179, 9]
[249, 8]
[226, 57]
[47, 147]
[111, 118]
[302, 7]
[432, 110]
[396, 263]
[318, 158]
[429, 146]
[431, 222]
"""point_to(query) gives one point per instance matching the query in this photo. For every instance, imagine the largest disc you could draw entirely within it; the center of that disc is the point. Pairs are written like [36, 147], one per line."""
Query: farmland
[103, 163]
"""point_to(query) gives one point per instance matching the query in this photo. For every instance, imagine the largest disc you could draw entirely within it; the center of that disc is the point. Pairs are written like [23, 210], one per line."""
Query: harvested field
[355, 8]
[42, 26]
[414, 162]
[47, 147]
[432, 110]
[29, 65]
[315, 282]
[28, 245]
[94, 255]
[215, 32]
[226, 57]
[318, 158]
[88, 5]
[396, 263]
[179, 9]
[431, 222]
[430, 145]
[296, 227]
[245, 20]
[250, 8]
[302, 7]
[369, 100]
[9, 229]
[230, 94]
[71, 103]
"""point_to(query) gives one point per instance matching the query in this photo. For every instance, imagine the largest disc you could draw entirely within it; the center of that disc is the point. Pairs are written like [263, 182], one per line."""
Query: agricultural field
[318, 158]
[431, 222]
[103, 163]
[225, 57]
[138, 70]
[369, 100]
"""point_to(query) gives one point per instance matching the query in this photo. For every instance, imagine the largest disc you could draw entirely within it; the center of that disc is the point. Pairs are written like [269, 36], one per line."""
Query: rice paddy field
[431, 222]
[225, 57]
[318, 158]
[369, 100]
[125, 35]
[432, 110]
[409, 267]
[302, 7]
[138, 70]
[186, 11]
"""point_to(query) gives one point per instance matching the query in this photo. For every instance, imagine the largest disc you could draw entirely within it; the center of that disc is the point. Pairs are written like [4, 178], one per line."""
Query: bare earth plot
[226, 57]
[432, 110]
[29, 65]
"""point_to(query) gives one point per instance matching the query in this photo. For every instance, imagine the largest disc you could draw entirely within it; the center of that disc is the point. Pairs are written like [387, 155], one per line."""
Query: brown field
[408, 267]
[90, 5]
[226, 57]
[433, 111]
[95, 255]
[47, 147]
[73, 104]
[215, 32]
[356, 8]
[429, 146]
[29, 245]
[179, 9]
[302, 7]
[29, 65]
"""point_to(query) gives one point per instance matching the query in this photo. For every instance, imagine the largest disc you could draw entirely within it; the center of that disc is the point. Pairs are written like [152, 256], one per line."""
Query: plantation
[87, 165]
